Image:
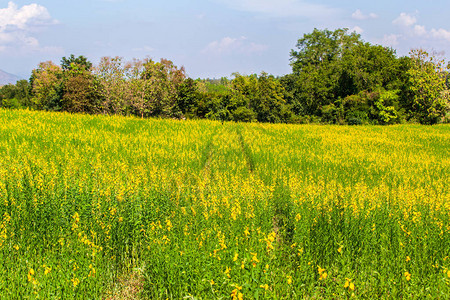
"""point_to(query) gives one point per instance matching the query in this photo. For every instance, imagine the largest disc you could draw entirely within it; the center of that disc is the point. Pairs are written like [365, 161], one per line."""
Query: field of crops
[95, 207]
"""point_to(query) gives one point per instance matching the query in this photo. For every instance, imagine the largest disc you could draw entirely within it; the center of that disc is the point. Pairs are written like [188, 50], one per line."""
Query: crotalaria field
[96, 207]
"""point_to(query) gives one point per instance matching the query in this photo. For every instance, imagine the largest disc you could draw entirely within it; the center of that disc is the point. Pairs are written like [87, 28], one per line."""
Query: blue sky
[211, 38]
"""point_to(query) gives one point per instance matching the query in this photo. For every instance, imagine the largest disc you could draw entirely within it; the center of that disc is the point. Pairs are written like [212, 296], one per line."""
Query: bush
[244, 114]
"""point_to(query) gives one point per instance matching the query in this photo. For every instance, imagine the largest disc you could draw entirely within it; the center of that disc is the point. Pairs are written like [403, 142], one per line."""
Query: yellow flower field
[200, 209]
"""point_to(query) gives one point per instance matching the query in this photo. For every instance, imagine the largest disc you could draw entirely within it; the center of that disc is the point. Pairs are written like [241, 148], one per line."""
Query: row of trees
[336, 78]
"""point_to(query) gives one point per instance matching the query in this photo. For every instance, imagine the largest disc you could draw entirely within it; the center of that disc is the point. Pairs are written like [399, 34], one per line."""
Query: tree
[137, 87]
[427, 83]
[80, 61]
[188, 97]
[317, 67]
[367, 67]
[15, 95]
[114, 89]
[47, 86]
[81, 92]
[164, 79]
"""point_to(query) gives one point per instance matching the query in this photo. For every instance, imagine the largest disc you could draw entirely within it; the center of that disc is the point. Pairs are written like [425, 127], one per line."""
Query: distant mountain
[6, 78]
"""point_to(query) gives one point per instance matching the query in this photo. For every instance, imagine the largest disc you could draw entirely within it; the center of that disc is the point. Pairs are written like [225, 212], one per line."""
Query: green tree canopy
[427, 83]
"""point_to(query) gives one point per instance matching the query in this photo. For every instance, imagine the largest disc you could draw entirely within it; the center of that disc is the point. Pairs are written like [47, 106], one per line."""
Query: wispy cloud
[357, 29]
[390, 40]
[17, 26]
[410, 27]
[283, 8]
[359, 15]
[441, 34]
[229, 45]
[405, 20]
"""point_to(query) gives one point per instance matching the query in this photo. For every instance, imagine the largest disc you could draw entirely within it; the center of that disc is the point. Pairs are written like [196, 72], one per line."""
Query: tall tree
[81, 92]
[47, 86]
[114, 89]
[80, 61]
[427, 83]
[163, 78]
[317, 66]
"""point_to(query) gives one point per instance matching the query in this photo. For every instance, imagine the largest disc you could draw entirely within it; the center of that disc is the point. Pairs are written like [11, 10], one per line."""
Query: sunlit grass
[201, 209]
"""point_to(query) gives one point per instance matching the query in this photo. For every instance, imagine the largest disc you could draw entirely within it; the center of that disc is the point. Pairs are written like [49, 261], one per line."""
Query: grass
[96, 207]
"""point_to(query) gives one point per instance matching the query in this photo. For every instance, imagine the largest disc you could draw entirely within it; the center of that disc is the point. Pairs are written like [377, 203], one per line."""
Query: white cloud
[359, 15]
[18, 24]
[405, 20]
[390, 40]
[410, 28]
[229, 45]
[440, 34]
[420, 30]
[357, 29]
[283, 8]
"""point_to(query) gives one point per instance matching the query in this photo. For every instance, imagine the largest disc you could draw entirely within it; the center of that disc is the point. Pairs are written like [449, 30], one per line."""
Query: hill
[6, 78]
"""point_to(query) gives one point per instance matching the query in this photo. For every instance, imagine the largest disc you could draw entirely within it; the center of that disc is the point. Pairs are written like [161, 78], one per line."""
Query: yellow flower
[246, 232]
[212, 282]
[75, 281]
[235, 258]
[322, 273]
[448, 273]
[407, 276]
[47, 270]
[408, 258]
[236, 294]
[31, 278]
[340, 249]
[16, 247]
[92, 271]
[227, 272]
[349, 284]
[289, 280]
[264, 286]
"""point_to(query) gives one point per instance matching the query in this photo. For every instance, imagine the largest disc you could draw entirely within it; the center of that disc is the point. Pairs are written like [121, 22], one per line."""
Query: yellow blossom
[349, 284]
[235, 258]
[227, 272]
[407, 276]
[47, 270]
[322, 273]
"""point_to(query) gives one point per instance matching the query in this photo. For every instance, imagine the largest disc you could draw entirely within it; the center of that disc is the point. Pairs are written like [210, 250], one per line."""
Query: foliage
[427, 83]
[47, 86]
[336, 78]
[79, 62]
[317, 65]
[15, 96]
[81, 92]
